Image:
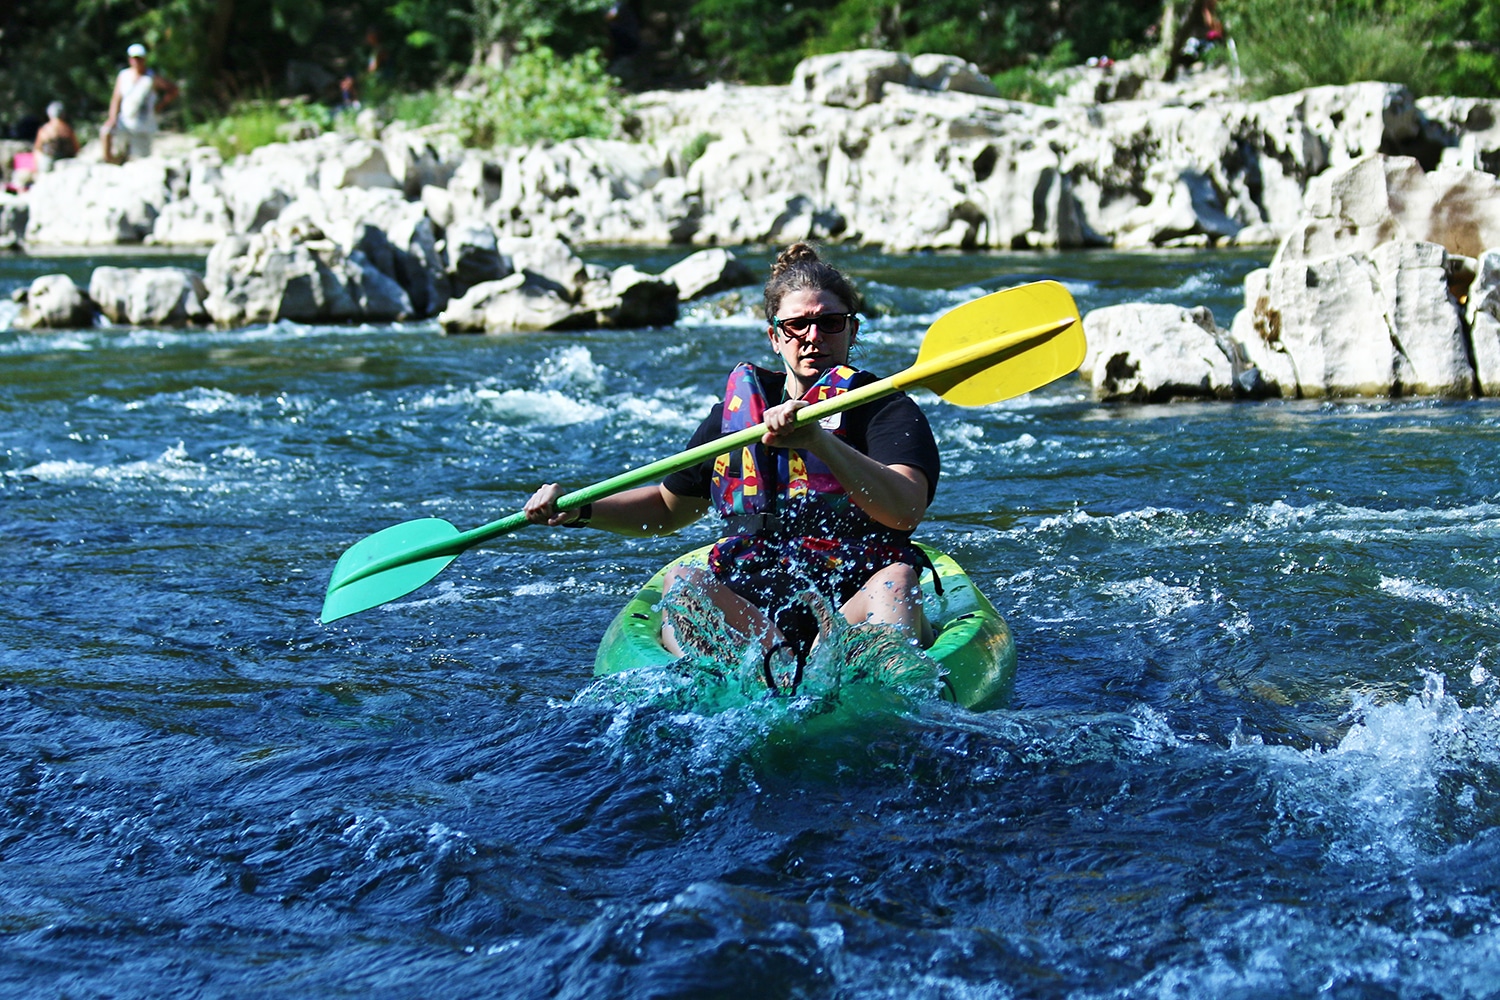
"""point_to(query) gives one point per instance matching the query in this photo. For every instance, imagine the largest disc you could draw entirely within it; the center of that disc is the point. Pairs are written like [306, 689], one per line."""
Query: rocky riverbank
[869, 148]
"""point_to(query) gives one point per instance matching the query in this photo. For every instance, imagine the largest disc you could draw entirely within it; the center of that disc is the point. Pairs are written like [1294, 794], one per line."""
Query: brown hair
[798, 268]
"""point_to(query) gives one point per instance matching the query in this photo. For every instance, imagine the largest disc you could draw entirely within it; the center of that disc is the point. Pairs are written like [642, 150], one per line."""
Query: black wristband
[582, 520]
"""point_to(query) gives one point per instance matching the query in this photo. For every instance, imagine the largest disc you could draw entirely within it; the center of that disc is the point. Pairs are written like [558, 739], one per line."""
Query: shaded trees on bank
[225, 51]
[228, 50]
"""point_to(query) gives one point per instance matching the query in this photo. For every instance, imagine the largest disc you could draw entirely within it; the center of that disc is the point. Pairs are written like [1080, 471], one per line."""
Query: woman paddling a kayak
[829, 505]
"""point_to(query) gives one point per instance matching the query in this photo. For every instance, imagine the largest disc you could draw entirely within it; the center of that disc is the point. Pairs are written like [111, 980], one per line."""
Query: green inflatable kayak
[973, 645]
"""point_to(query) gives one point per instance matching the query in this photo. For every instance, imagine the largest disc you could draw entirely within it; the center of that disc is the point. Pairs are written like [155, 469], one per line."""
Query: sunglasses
[800, 327]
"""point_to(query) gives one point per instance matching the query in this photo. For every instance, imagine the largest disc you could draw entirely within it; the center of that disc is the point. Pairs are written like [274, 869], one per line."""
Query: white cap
[136, 51]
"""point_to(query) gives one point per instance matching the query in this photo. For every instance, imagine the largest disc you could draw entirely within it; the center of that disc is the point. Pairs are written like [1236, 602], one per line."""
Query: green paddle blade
[1021, 338]
[374, 570]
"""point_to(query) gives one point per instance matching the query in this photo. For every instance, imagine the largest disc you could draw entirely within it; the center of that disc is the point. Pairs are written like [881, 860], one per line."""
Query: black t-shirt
[892, 430]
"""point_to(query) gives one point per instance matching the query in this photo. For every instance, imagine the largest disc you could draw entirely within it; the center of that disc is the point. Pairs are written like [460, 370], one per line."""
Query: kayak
[973, 646]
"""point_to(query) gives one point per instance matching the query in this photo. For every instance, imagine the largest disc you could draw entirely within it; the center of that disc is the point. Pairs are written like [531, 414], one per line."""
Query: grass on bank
[1285, 47]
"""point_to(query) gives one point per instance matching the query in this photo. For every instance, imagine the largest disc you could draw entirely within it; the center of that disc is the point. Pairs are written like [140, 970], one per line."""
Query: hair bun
[797, 253]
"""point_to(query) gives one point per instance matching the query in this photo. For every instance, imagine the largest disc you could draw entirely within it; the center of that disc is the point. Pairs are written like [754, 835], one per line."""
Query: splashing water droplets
[723, 669]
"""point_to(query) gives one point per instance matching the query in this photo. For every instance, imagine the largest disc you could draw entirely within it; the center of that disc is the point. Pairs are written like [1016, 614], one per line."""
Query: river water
[1254, 749]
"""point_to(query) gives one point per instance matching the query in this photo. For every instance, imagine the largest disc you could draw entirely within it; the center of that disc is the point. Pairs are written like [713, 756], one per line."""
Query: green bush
[252, 124]
[1033, 82]
[420, 108]
[538, 97]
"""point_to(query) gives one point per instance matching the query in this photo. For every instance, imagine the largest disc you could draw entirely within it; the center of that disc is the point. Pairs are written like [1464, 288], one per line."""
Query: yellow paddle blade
[1002, 345]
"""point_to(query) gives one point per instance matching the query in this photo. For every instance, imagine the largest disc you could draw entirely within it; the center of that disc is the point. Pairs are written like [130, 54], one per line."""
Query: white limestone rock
[53, 302]
[520, 303]
[1149, 353]
[1484, 323]
[1358, 324]
[1426, 322]
[849, 79]
[282, 274]
[629, 297]
[98, 204]
[149, 296]
[708, 272]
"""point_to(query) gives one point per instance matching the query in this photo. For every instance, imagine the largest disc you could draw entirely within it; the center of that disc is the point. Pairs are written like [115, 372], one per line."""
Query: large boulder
[420, 158]
[1377, 199]
[547, 257]
[849, 79]
[98, 204]
[53, 302]
[356, 163]
[629, 297]
[520, 303]
[14, 212]
[1427, 327]
[1148, 353]
[149, 296]
[393, 234]
[203, 216]
[548, 287]
[1484, 323]
[474, 255]
[1358, 324]
[298, 275]
[708, 272]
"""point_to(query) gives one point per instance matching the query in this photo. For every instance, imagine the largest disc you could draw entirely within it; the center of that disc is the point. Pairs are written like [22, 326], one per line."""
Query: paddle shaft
[974, 355]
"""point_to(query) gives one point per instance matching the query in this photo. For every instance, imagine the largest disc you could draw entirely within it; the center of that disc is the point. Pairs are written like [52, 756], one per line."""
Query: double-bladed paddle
[996, 347]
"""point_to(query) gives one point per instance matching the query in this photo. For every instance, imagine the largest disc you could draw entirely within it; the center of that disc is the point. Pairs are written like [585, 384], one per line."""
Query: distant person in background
[624, 40]
[377, 61]
[348, 96]
[138, 93]
[55, 140]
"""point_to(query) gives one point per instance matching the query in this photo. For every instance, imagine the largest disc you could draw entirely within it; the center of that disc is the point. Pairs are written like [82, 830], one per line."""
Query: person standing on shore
[132, 107]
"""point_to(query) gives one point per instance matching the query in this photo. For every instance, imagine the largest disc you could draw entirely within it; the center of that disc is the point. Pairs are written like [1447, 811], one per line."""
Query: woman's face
[805, 349]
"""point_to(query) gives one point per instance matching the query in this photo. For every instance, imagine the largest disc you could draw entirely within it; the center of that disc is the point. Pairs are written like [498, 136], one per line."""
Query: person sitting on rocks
[132, 107]
[55, 140]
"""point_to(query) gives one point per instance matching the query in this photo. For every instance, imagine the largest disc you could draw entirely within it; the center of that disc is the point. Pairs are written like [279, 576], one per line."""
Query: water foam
[1407, 781]
[171, 466]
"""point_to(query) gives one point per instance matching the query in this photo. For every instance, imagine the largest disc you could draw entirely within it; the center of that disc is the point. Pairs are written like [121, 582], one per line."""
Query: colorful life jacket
[782, 490]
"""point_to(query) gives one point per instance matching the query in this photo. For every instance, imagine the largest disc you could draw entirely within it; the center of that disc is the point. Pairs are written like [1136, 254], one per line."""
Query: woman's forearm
[894, 495]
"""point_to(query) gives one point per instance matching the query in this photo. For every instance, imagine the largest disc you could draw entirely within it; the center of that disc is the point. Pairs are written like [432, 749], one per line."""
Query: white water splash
[1407, 781]
[1464, 601]
[171, 466]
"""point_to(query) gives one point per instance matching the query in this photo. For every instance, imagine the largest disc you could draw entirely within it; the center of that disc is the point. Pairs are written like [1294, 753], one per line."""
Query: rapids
[1254, 749]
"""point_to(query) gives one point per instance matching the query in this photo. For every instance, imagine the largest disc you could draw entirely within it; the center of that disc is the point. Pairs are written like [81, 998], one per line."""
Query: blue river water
[1254, 749]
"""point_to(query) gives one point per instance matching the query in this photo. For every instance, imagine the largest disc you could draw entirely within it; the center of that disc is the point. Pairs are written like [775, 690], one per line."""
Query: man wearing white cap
[132, 107]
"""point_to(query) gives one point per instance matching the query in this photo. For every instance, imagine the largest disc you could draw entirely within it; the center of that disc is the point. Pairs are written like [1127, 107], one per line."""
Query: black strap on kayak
[799, 628]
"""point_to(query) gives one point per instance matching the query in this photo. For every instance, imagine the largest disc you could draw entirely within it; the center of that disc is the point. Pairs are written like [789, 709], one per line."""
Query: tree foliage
[71, 49]
[224, 52]
[761, 43]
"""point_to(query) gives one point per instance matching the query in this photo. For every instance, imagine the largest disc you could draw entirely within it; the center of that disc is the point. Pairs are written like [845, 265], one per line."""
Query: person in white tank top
[132, 107]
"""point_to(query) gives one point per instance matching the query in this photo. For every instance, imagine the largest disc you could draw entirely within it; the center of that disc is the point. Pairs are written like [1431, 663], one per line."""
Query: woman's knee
[899, 579]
